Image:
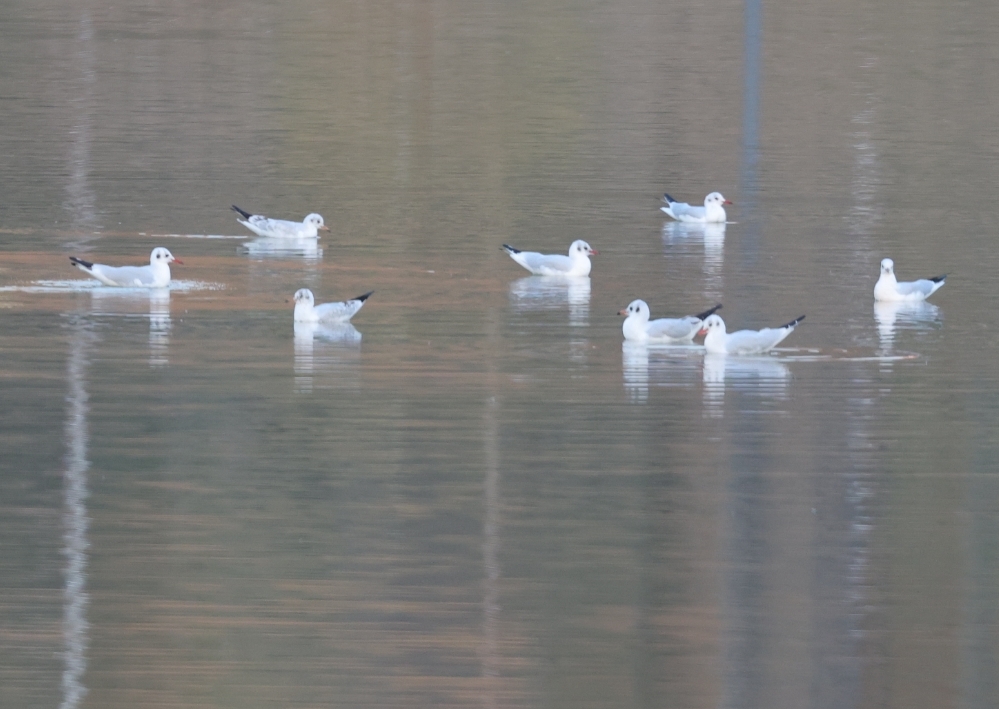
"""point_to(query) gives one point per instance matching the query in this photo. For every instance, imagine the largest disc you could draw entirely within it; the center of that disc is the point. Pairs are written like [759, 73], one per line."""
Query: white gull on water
[638, 328]
[888, 289]
[577, 263]
[713, 211]
[155, 275]
[281, 228]
[743, 342]
[306, 309]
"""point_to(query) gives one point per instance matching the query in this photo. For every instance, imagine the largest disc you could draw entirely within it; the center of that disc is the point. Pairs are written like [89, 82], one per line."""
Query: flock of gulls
[638, 325]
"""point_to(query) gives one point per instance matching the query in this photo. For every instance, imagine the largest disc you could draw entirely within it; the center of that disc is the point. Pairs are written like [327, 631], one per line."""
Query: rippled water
[476, 493]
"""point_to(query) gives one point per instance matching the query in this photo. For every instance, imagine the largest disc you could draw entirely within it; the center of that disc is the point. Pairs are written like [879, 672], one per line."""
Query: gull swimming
[743, 342]
[890, 290]
[713, 211]
[155, 275]
[638, 328]
[577, 263]
[306, 309]
[281, 228]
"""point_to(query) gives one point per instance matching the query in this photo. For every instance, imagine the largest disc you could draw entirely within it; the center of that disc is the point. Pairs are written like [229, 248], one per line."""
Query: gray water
[476, 496]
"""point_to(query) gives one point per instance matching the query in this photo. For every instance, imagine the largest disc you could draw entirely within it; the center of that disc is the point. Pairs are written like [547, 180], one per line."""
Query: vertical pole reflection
[979, 644]
[75, 520]
[491, 665]
[745, 532]
[80, 201]
[752, 86]
[490, 549]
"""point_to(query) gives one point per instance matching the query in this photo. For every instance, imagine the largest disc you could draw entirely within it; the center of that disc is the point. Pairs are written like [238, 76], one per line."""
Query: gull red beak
[623, 313]
[594, 252]
[177, 260]
[324, 228]
[728, 201]
[703, 331]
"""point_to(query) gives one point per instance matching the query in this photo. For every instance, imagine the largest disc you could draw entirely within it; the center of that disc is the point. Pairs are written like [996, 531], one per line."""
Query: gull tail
[939, 279]
[246, 215]
[80, 263]
[364, 297]
[793, 323]
[510, 250]
[706, 313]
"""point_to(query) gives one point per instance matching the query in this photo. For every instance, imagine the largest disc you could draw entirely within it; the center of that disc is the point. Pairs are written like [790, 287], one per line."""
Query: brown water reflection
[475, 495]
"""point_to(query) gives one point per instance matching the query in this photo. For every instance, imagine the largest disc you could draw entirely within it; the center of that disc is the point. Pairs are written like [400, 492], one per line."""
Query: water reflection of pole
[752, 87]
[491, 544]
[75, 519]
[743, 587]
[80, 202]
[979, 650]
[491, 527]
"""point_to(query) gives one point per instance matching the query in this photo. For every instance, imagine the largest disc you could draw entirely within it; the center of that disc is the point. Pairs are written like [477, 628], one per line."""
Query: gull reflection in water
[911, 316]
[547, 292]
[635, 365]
[672, 365]
[713, 238]
[159, 327]
[306, 248]
[761, 375]
[335, 349]
[137, 302]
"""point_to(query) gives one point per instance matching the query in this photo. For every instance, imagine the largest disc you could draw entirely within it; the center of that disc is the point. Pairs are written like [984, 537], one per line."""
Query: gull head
[637, 307]
[162, 255]
[716, 198]
[887, 267]
[581, 247]
[713, 323]
[304, 295]
[316, 220]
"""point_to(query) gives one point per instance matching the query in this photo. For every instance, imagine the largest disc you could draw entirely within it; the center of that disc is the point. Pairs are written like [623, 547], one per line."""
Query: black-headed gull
[577, 263]
[155, 275]
[638, 328]
[306, 309]
[890, 290]
[713, 211]
[743, 342]
[280, 228]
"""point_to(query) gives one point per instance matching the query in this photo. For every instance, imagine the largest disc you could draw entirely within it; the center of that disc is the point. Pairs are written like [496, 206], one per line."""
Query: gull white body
[713, 211]
[307, 311]
[888, 289]
[577, 263]
[155, 275]
[281, 228]
[743, 342]
[638, 328]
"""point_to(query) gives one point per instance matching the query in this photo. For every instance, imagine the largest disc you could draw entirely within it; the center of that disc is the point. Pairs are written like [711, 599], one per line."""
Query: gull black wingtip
[80, 262]
[669, 200]
[510, 249]
[245, 215]
[939, 279]
[364, 297]
[793, 323]
[708, 312]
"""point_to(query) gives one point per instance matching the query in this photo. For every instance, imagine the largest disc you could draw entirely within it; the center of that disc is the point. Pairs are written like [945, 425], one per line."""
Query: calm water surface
[476, 495]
